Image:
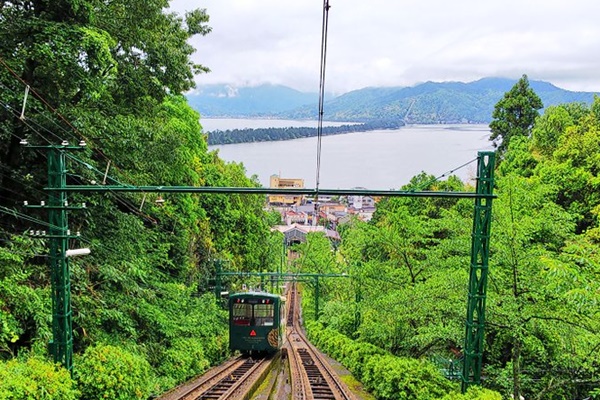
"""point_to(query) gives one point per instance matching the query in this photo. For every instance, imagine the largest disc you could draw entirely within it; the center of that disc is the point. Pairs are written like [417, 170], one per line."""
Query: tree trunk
[516, 366]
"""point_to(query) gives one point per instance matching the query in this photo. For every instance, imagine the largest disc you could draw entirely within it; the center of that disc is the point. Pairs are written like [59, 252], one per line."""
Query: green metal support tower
[480, 247]
[310, 278]
[317, 289]
[61, 345]
[218, 284]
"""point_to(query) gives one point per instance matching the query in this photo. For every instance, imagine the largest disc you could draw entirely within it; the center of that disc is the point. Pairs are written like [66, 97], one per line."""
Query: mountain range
[247, 101]
[429, 102]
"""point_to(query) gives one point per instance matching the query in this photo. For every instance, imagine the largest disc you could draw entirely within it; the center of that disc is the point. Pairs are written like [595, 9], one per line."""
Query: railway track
[235, 379]
[310, 374]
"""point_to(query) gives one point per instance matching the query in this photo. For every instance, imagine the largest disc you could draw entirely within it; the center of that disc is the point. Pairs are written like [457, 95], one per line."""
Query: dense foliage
[34, 379]
[387, 376]
[410, 267]
[271, 134]
[113, 74]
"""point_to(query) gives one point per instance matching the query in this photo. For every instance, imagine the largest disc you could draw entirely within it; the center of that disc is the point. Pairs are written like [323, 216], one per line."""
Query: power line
[21, 117]
[324, 28]
[445, 174]
[41, 98]
[16, 114]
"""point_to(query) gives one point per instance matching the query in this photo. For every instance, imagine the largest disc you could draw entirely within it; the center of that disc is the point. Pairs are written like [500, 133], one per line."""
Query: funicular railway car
[256, 322]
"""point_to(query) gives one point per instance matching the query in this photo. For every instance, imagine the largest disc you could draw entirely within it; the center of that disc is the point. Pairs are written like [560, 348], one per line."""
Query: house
[296, 233]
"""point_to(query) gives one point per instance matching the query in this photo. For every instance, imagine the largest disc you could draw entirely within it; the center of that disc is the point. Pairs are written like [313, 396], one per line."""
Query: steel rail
[237, 385]
[316, 376]
[211, 377]
[232, 380]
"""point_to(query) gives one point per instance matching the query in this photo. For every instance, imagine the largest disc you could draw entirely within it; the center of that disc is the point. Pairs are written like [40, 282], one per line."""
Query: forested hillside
[426, 103]
[112, 74]
[433, 102]
[410, 264]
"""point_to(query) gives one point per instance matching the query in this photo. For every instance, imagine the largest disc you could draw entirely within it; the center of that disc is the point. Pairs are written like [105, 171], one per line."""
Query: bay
[380, 159]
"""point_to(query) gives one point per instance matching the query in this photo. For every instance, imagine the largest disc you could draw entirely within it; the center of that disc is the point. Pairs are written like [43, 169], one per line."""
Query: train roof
[249, 295]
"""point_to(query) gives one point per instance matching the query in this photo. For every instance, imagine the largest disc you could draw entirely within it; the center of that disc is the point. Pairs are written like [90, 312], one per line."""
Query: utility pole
[316, 297]
[61, 346]
[218, 269]
[62, 315]
[478, 272]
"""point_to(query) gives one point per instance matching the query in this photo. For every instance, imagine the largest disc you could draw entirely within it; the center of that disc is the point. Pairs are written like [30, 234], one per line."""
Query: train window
[263, 314]
[241, 313]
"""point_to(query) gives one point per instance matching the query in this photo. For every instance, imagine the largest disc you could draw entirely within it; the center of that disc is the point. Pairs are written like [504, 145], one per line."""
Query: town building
[278, 182]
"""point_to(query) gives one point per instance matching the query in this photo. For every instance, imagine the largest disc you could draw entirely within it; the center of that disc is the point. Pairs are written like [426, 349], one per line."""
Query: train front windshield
[253, 312]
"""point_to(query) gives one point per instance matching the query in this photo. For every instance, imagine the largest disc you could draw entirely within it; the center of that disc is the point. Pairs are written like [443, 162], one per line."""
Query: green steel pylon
[61, 345]
[480, 246]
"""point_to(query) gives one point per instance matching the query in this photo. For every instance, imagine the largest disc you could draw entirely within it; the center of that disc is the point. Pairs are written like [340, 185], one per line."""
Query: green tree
[514, 115]
[549, 128]
[114, 72]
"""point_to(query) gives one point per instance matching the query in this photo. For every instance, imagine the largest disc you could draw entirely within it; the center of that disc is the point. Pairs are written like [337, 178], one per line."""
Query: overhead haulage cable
[321, 92]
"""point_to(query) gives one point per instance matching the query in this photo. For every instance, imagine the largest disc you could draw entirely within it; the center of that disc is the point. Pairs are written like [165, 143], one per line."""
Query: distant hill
[249, 101]
[430, 102]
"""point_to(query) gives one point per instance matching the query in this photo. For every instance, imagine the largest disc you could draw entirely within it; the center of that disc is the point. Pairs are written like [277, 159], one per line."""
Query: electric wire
[37, 95]
[445, 174]
[17, 114]
[30, 126]
[83, 238]
[94, 169]
[41, 98]
[119, 198]
[324, 28]
[17, 214]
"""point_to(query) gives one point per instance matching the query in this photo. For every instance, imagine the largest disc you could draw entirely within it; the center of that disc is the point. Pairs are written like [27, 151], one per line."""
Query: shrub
[385, 375]
[183, 360]
[474, 393]
[109, 372]
[35, 378]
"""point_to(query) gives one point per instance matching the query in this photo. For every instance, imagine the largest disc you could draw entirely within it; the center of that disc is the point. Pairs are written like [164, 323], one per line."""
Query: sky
[398, 42]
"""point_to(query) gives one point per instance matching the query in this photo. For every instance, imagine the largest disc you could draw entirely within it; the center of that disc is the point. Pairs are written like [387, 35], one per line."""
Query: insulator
[43, 233]
[82, 143]
[42, 203]
[66, 203]
[78, 233]
[68, 232]
[64, 143]
[25, 203]
[37, 233]
[83, 205]
[23, 142]
[31, 233]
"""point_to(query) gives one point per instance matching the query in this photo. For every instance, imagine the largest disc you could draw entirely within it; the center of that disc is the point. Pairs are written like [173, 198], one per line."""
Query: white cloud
[397, 43]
